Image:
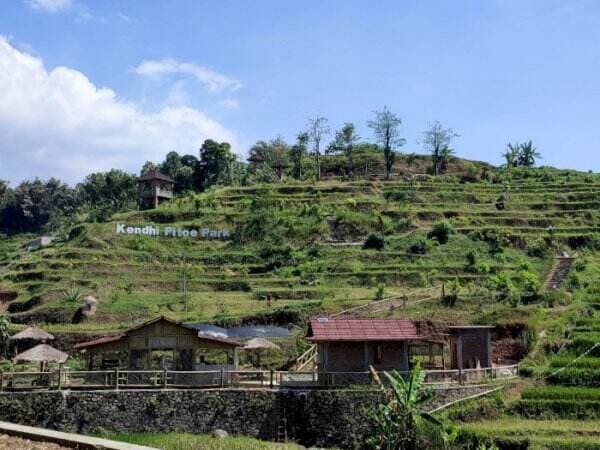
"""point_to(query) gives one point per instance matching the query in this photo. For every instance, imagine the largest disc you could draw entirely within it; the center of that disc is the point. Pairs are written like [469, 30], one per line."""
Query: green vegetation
[186, 441]
[401, 422]
[300, 247]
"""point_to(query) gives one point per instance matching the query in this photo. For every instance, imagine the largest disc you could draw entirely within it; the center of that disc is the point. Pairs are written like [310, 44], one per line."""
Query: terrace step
[558, 273]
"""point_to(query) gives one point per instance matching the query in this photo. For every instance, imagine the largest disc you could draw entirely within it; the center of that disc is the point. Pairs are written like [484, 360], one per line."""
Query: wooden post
[117, 379]
[222, 377]
[164, 378]
[443, 290]
[1, 381]
[59, 376]
[271, 379]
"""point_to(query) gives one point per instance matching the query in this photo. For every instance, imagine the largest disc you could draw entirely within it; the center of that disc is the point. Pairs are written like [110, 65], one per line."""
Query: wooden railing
[393, 302]
[309, 356]
[170, 379]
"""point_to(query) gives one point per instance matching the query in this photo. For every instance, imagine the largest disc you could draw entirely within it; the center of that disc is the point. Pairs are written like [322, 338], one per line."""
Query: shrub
[418, 247]
[502, 283]
[374, 241]
[441, 231]
[538, 248]
[76, 231]
[561, 393]
[575, 377]
[555, 409]
[72, 295]
[531, 286]
[471, 257]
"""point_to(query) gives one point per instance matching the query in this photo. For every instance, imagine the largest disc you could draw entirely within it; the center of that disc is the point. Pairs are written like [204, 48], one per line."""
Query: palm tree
[397, 420]
[528, 154]
[511, 155]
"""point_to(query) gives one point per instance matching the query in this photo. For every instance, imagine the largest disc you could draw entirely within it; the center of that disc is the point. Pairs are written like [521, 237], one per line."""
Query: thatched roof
[42, 353]
[260, 344]
[32, 333]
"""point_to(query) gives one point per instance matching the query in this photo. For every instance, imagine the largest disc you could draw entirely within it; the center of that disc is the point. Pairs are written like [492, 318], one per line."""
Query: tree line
[270, 161]
[36, 205]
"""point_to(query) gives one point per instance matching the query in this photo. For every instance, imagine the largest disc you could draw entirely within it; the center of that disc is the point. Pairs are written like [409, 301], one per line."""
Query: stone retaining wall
[324, 418]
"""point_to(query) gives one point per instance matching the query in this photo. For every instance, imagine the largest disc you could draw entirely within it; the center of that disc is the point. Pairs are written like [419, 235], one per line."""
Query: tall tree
[511, 155]
[182, 169]
[3, 190]
[437, 140]
[344, 141]
[386, 128]
[215, 161]
[297, 154]
[528, 154]
[317, 128]
[36, 205]
[148, 167]
[269, 160]
[110, 191]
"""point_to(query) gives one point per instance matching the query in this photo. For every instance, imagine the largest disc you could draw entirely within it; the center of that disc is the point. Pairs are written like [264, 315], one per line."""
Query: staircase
[558, 273]
[306, 361]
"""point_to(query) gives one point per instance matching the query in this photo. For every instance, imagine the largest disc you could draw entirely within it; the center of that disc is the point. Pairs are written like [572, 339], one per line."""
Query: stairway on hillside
[558, 273]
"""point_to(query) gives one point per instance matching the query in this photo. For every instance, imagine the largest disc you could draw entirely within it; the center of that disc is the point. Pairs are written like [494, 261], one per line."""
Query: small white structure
[40, 242]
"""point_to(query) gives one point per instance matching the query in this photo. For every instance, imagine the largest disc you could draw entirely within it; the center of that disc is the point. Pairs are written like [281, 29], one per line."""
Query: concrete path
[66, 439]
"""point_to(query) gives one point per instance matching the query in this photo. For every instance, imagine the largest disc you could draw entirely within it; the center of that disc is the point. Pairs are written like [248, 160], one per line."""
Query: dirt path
[15, 443]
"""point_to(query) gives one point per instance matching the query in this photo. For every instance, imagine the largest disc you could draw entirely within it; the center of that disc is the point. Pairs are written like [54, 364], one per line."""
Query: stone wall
[324, 418]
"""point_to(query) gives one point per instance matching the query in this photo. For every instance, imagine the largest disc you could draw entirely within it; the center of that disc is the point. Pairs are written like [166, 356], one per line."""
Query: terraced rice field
[294, 258]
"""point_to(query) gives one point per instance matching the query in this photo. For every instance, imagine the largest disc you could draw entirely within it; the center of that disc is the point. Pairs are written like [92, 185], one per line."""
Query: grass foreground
[188, 441]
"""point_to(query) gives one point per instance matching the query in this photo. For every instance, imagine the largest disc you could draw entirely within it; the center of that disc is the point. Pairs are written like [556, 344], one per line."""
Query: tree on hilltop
[437, 140]
[297, 153]
[528, 154]
[269, 159]
[216, 162]
[317, 128]
[344, 141]
[511, 155]
[106, 193]
[386, 128]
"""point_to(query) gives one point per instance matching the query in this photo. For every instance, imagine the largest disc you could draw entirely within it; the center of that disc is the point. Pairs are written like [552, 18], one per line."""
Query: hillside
[300, 245]
[291, 250]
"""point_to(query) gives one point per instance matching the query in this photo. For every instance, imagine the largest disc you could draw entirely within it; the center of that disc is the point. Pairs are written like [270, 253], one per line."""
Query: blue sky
[86, 85]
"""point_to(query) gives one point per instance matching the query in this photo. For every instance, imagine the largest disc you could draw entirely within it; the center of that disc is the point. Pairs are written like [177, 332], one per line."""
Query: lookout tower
[153, 189]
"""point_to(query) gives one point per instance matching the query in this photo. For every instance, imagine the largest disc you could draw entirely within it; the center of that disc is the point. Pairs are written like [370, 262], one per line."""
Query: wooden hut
[256, 346]
[42, 354]
[153, 189]
[28, 338]
[161, 344]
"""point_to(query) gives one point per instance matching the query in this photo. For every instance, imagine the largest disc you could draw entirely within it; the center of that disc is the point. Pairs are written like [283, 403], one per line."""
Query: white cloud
[50, 5]
[124, 17]
[211, 80]
[230, 103]
[58, 123]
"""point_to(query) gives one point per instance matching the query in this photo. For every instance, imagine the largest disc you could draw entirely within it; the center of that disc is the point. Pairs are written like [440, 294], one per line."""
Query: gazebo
[257, 345]
[28, 338]
[42, 354]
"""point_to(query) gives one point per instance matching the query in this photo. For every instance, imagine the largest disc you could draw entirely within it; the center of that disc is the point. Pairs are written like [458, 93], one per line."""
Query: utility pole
[184, 274]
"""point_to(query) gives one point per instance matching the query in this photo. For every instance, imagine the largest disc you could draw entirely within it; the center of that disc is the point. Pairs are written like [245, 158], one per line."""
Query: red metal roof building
[353, 345]
[335, 330]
